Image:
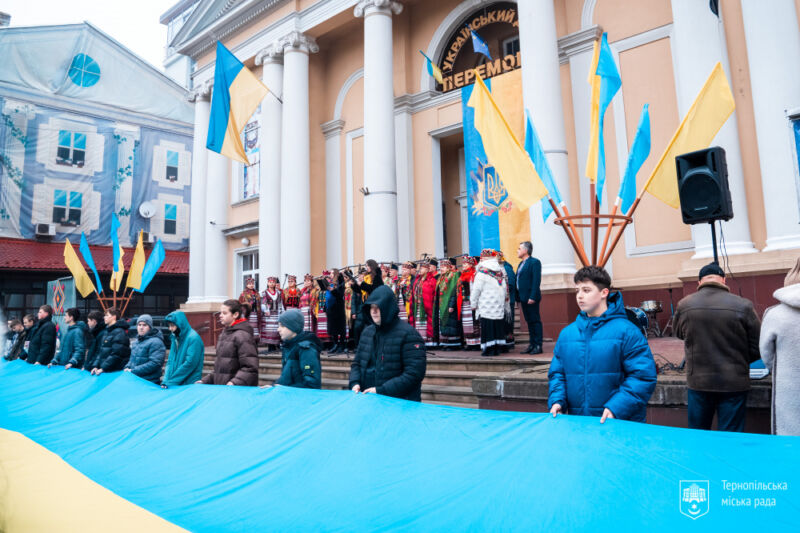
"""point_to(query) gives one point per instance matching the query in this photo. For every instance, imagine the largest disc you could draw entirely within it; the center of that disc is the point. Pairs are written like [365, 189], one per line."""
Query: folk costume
[271, 307]
[252, 298]
[405, 293]
[309, 324]
[446, 304]
[429, 303]
[318, 308]
[291, 294]
[469, 324]
[489, 299]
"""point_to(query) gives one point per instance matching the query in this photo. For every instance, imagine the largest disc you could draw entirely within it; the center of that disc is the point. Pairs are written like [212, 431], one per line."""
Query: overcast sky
[132, 23]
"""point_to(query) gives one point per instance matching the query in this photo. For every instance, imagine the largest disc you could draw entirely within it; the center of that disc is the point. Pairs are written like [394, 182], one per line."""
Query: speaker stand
[714, 240]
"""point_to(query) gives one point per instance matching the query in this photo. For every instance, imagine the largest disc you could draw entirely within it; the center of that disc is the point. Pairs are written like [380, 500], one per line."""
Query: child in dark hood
[300, 361]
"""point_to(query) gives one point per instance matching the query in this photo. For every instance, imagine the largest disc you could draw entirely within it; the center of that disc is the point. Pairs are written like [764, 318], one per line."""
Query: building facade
[362, 155]
[88, 129]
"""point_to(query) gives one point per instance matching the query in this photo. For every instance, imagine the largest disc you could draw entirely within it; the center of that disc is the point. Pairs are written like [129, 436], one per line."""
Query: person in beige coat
[780, 350]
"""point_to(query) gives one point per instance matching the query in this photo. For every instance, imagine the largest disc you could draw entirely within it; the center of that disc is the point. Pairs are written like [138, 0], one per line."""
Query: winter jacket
[602, 362]
[300, 361]
[147, 356]
[186, 353]
[42, 345]
[73, 345]
[721, 332]
[17, 350]
[529, 280]
[115, 349]
[488, 297]
[780, 350]
[97, 334]
[237, 357]
[391, 356]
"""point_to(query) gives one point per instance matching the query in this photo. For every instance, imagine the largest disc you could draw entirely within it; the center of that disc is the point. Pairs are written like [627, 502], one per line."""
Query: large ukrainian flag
[237, 94]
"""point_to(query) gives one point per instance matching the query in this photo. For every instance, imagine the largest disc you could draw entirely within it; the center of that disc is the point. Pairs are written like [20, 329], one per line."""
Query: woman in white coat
[780, 349]
[488, 299]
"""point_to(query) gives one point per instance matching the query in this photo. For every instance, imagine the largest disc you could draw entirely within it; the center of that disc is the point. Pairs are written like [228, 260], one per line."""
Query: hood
[98, 328]
[122, 324]
[179, 319]
[81, 325]
[304, 336]
[152, 333]
[384, 298]
[616, 309]
[789, 295]
[491, 264]
[243, 325]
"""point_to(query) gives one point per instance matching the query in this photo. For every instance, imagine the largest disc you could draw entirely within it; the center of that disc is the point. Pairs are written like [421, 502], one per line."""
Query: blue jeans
[730, 408]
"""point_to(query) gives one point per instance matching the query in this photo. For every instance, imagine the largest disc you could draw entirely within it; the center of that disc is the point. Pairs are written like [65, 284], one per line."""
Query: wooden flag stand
[120, 301]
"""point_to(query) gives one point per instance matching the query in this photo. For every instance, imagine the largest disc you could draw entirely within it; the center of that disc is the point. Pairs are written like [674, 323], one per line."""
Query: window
[67, 207]
[248, 262]
[71, 148]
[170, 219]
[251, 175]
[511, 46]
[84, 71]
[172, 166]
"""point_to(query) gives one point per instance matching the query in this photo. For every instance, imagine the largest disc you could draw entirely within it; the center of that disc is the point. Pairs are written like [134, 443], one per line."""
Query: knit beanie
[147, 319]
[793, 276]
[292, 319]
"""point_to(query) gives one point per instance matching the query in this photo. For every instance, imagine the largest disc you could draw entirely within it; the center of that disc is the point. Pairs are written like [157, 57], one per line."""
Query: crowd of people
[602, 364]
[453, 303]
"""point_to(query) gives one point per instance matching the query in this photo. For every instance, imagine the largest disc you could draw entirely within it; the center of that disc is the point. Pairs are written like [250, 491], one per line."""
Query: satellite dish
[147, 209]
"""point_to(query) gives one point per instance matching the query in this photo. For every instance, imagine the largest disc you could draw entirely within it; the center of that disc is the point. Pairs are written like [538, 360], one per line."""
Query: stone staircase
[448, 379]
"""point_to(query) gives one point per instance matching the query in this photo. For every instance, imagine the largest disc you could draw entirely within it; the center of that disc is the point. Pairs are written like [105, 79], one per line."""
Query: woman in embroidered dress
[405, 292]
[447, 298]
[272, 307]
[309, 324]
[251, 297]
[418, 305]
[335, 310]
[318, 306]
[469, 324]
[429, 303]
[488, 298]
[291, 294]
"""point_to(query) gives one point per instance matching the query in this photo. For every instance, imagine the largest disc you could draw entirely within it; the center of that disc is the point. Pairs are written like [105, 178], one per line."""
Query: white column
[773, 53]
[295, 230]
[197, 217]
[698, 44]
[404, 153]
[380, 202]
[269, 198]
[541, 92]
[217, 203]
[333, 192]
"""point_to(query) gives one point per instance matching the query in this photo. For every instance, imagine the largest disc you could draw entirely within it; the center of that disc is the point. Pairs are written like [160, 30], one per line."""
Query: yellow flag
[82, 280]
[504, 151]
[709, 111]
[137, 265]
[116, 277]
[594, 121]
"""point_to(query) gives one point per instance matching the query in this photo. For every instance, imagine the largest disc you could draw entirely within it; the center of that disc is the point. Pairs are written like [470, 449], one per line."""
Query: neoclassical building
[362, 153]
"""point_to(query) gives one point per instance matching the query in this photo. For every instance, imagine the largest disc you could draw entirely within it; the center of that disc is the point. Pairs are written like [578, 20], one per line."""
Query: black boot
[528, 350]
[536, 350]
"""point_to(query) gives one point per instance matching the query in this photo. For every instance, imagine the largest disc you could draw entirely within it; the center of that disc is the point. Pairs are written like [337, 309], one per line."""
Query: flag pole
[569, 235]
[595, 211]
[609, 228]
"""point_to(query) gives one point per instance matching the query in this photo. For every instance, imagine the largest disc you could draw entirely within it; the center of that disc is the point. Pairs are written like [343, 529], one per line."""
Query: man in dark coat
[116, 347]
[147, 355]
[300, 362]
[97, 330]
[390, 358]
[17, 348]
[72, 350]
[42, 346]
[236, 362]
[721, 331]
[529, 280]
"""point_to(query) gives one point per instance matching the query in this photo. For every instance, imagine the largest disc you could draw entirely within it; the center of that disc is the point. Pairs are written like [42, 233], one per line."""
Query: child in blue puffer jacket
[602, 365]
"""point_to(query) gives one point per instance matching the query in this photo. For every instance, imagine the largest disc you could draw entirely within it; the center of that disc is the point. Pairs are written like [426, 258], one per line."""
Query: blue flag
[87, 256]
[152, 265]
[636, 158]
[610, 84]
[534, 148]
[115, 225]
[478, 44]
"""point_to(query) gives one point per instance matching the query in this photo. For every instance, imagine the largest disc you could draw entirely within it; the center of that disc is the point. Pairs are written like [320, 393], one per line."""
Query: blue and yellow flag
[82, 281]
[119, 266]
[433, 70]
[137, 265]
[479, 46]
[87, 256]
[535, 151]
[152, 266]
[639, 152]
[237, 94]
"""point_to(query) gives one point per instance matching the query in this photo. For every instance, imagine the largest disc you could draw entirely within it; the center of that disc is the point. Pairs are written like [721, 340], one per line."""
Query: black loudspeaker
[703, 186]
